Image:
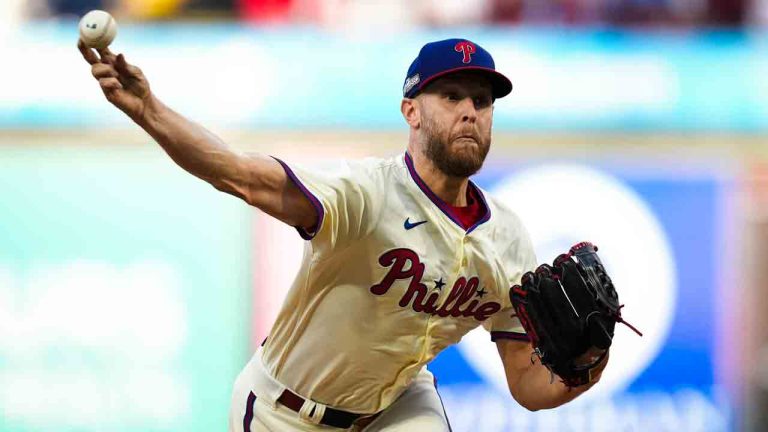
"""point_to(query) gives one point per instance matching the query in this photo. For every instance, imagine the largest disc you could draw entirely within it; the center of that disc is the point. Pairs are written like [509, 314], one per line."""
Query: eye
[482, 101]
[451, 96]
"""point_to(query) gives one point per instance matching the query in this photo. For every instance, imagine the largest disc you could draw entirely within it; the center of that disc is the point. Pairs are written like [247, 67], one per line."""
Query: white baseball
[98, 29]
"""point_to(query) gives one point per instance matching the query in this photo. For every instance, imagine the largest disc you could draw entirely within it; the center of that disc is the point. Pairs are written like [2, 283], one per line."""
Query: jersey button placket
[459, 257]
[464, 261]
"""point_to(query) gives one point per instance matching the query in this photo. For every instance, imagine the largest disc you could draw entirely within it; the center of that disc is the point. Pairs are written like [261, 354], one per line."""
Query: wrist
[597, 367]
[588, 368]
[150, 109]
[592, 357]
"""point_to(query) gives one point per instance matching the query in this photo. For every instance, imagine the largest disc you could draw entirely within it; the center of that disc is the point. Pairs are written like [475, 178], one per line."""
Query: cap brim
[501, 85]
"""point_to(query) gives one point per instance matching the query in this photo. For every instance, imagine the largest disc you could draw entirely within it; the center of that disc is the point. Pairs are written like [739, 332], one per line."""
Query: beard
[458, 164]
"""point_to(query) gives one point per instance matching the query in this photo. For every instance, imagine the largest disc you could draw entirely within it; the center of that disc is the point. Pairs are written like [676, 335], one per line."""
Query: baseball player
[403, 255]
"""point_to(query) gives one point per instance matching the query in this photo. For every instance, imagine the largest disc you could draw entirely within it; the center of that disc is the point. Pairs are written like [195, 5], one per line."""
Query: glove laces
[619, 319]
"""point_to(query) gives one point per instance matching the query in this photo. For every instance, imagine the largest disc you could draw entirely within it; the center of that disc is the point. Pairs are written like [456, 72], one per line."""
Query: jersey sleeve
[505, 324]
[344, 198]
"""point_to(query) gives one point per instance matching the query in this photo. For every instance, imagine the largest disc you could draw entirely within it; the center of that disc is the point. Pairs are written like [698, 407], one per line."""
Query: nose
[468, 110]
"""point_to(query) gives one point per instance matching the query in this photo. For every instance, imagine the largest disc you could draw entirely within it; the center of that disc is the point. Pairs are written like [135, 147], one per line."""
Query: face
[455, 122]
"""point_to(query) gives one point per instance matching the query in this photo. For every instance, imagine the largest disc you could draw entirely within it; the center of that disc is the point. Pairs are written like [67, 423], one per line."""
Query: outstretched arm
[257, 179]
[531, 383]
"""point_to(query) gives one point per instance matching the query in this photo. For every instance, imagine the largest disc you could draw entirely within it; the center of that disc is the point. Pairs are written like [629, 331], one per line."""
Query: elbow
[221, 185]
[231, 188]
[527, 403]
[531, 406]
[534, 403]
[234, 178]
[534, 406]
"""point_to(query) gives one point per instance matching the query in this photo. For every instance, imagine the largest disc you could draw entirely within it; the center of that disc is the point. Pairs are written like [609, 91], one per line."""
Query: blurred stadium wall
[132, 293]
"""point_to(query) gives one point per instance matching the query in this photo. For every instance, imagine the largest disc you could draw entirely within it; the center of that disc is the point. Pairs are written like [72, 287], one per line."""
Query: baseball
[98, 29]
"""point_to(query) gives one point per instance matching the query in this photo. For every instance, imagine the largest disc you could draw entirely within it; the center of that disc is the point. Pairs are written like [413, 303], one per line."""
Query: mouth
[469, 137]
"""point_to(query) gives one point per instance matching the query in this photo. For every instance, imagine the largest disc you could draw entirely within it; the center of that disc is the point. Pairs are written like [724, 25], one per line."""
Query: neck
[452, 190]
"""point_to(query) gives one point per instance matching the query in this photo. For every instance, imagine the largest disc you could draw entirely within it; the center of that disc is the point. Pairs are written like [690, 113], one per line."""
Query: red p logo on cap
[468, 48]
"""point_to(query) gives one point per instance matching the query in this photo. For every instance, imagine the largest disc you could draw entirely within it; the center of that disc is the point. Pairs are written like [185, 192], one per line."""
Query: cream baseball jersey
[388, 280]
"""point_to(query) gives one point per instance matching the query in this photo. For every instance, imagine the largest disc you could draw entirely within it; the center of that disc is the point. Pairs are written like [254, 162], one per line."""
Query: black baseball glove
[569, 309]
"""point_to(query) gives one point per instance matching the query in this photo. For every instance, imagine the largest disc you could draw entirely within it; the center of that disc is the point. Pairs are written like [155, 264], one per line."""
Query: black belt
[331, 417]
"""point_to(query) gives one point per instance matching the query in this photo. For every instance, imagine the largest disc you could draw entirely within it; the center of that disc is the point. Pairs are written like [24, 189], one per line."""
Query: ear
[410, 110]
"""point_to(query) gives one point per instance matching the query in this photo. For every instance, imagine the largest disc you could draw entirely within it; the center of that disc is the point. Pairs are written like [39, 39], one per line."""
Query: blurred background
[131, 293]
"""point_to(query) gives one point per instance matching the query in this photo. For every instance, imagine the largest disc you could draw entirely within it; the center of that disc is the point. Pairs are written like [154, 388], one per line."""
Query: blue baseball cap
[437, 59]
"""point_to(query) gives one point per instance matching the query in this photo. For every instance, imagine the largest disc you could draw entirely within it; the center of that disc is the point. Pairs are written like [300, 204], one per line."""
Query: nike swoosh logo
[408, 225]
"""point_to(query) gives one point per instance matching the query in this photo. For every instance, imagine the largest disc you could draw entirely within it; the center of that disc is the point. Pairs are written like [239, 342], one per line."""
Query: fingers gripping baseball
[123, 84]
[101, 70]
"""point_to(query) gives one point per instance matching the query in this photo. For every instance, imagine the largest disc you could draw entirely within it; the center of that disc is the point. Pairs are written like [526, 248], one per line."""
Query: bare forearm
[534, 387]
[259, 180]
[190, 145]
[537, 389]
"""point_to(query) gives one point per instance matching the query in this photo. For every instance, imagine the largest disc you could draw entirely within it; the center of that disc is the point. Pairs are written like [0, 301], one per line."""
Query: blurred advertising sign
[294, 77]
[657, 232]
[122, 286]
